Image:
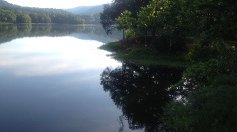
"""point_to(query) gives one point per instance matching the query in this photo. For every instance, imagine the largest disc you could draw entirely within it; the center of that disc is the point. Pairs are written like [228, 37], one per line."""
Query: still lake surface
[53, 78]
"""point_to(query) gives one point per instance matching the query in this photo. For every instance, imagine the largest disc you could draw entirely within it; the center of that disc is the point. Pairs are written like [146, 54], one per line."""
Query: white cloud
[57, 3]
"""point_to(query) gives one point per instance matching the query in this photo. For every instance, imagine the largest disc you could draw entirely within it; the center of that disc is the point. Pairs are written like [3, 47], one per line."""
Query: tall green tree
[126, 22]
[114, 10]
[7, 16]
[23, 18]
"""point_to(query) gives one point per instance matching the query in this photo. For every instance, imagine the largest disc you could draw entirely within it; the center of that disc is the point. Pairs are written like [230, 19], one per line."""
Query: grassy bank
[143, 56]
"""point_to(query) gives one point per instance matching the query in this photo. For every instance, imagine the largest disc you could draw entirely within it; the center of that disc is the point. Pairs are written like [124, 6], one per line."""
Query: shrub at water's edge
[142, 56]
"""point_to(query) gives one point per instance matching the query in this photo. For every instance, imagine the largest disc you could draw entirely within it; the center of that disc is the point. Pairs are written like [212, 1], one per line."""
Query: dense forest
[204, 32]
[10, 13]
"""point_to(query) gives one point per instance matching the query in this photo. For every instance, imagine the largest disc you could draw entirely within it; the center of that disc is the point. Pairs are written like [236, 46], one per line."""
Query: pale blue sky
[57, 3]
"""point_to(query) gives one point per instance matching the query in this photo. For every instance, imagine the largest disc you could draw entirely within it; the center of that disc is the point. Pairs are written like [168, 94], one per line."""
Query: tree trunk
[124, 35]
[146, 40]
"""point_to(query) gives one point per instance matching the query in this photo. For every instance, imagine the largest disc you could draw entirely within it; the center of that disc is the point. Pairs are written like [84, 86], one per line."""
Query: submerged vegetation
[201, 33]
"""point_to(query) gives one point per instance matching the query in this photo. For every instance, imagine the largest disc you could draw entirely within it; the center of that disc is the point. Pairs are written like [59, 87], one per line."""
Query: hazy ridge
[86, 10]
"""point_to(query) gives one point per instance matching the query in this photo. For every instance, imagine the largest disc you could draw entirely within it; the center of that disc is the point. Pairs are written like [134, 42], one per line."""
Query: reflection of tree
[7, 32]
[24, 28]
[93, 32]
[41, 29]
[141, 92]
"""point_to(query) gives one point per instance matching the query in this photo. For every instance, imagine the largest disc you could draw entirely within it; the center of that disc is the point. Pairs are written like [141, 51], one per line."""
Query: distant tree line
[10, 13]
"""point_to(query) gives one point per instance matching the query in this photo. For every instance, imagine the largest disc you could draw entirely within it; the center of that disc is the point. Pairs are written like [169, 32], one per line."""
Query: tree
[162, 20]
[40, 18]
[23, 18]
[7, 16]
[127, 23]
[38, 15]
[114, 10]
[212, 108]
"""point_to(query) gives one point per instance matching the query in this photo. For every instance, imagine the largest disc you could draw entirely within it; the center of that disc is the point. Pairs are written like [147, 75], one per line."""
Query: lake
[53, 78]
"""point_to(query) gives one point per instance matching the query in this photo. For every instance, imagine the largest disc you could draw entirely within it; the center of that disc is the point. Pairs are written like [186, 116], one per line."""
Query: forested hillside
[90, 14]
[10, 13]
[86, 10]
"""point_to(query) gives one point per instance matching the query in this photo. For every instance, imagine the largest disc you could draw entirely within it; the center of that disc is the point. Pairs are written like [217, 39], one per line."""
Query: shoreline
[141, 56]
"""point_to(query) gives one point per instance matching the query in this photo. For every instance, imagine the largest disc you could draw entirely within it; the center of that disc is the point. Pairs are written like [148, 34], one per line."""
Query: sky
[60, 4]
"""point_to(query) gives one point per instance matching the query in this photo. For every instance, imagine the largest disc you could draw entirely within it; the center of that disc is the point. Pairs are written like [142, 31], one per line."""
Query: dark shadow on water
[141, 93]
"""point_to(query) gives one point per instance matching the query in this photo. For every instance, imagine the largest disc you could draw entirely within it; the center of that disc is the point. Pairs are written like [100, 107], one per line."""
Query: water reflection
[52, 55]
[9, 32]
[49, 80]
[141, 92]
[45, 49]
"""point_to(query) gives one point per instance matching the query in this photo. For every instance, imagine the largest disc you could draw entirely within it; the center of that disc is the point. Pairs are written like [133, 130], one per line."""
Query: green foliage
[208, 89]
[126, 22]
[113, 47]
[217, 18]
[10, 13]
[7, 16]
[152, 17]
[199, 53]
[204, 72]
[40, 18]
[114, 10]
[23, 18]
[210, 109]
[143, 56]
[162, 21]
[207, 20]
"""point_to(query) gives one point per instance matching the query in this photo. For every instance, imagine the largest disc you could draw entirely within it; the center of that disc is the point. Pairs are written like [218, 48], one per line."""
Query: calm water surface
[55, 79]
